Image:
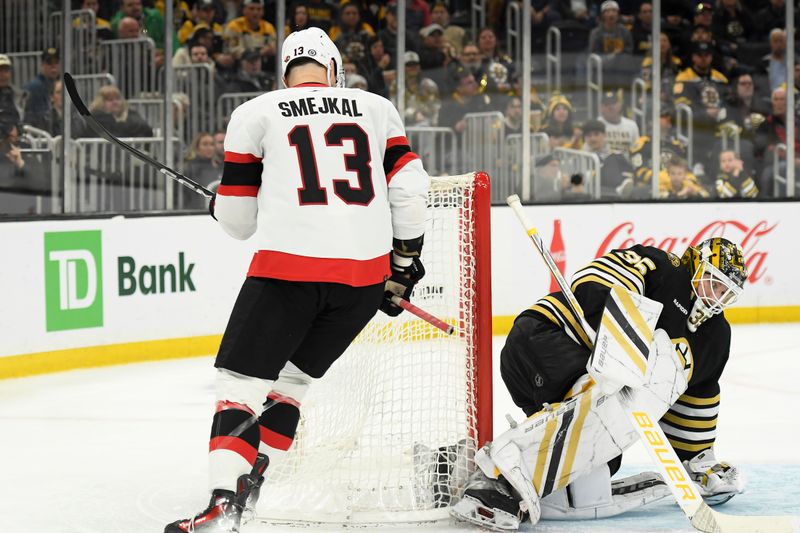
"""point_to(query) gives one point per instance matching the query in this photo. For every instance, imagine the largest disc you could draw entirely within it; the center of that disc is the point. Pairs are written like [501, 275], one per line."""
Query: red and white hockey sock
[234, 440]
[278, 424]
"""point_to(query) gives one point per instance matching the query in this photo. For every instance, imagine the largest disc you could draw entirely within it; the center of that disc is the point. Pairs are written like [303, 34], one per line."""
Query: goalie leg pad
[556, 446]
[623, 495]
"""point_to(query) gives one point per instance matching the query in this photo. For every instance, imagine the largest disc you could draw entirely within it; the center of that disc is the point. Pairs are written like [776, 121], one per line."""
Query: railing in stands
[84, 40]
[106, 178]
[197, 82]
[684, 129]
[23, 25]
[132, 63]
[227, 103]
[26, 67]
[730, 137]
[584, 163]
[553, 61]
[436, 147]
[779, 175]
[482, 142]
[514, 31]
[594, 84]
[510, 180]
[89, 84]
[639, 96]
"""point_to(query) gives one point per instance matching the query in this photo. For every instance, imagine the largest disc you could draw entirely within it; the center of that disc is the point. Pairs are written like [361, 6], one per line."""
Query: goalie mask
[718, 276]
[315, 44]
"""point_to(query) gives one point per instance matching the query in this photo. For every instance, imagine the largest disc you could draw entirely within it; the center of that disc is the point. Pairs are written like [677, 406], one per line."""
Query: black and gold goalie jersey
[690, 423]
[644, 270]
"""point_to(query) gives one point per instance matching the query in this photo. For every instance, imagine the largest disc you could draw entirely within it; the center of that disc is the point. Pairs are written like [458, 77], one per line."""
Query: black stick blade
[69, 83]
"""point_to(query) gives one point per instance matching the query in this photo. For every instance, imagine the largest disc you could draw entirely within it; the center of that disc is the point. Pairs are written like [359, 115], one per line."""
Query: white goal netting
[389, 433]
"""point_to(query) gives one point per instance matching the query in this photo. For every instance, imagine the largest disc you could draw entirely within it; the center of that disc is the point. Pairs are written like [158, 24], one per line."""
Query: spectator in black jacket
[37, 105]
[373, 67]
[250, 78]
[642, 29]
[111, 110]
[732, 25]
[9, 97]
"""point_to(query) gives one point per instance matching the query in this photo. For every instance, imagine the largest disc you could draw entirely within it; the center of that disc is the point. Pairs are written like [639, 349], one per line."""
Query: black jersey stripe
[624, 323]
[242, 173]
[393, 155]
[558, 449]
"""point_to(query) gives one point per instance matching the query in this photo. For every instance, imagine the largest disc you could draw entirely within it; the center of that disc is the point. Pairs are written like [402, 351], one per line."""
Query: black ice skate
[490, 503]
[223, 515]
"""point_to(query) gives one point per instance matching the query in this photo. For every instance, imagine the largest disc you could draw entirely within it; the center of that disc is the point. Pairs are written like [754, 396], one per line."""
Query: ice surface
[123, 449]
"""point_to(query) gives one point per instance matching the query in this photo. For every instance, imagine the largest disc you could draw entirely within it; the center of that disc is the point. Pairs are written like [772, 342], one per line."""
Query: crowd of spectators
[726, 61]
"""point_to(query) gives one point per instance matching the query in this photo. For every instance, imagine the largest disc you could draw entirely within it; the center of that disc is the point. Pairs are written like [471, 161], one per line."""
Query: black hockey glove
[211, 206]
[401, 283]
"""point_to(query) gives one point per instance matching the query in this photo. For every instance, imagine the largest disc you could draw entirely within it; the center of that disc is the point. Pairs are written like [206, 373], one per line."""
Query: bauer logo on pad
[73, 271]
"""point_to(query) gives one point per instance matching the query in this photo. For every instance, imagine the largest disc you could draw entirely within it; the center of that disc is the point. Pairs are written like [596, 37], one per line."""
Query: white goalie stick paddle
[100, 130]
[702, 517]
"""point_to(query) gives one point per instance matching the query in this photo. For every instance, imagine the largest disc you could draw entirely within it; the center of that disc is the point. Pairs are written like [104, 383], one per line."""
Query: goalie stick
[702, 517]
[100, 130]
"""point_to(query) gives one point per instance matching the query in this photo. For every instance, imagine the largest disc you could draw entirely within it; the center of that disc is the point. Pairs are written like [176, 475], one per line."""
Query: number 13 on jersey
[311, 192]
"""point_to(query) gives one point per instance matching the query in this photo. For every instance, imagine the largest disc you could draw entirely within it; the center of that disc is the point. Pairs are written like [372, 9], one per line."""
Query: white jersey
[324, 178]
[621, 136]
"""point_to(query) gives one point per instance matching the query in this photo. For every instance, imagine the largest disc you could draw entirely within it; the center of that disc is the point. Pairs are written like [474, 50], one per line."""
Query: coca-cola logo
[748, 237]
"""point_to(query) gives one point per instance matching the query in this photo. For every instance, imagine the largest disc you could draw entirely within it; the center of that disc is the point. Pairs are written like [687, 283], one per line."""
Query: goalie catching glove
[717, 481]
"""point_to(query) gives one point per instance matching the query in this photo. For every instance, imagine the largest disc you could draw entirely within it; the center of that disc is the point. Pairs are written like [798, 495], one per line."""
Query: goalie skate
[490, 504]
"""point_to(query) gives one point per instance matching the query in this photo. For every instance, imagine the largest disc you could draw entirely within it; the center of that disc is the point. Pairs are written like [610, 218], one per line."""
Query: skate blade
[471, 510]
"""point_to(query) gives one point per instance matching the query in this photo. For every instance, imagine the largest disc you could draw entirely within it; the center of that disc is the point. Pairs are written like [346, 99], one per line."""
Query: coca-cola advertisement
[747, 234]
[577, 234]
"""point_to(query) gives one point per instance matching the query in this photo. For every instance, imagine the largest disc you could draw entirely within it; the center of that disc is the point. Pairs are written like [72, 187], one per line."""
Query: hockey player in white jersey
[324, 179]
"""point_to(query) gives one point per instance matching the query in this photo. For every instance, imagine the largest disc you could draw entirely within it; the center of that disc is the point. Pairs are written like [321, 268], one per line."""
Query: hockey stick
[100, 130]
[702, 517]
[424, 315]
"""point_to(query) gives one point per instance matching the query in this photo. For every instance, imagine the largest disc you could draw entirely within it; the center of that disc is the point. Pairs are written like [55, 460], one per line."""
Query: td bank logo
[73, 280]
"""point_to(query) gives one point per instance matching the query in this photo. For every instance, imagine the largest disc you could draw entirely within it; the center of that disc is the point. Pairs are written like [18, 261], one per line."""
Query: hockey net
[388, 435]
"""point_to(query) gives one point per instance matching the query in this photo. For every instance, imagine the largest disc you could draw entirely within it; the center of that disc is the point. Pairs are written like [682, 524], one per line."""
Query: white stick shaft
[516, 206]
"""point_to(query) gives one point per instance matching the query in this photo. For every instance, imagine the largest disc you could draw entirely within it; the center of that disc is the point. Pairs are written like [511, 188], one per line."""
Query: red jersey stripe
[238, 190]
[275, 440]
[403, 161]
[280, 398]
[396, 141]
[234, 444]
[291, 267]
[311, 84]
[236, 157]
[224, 405]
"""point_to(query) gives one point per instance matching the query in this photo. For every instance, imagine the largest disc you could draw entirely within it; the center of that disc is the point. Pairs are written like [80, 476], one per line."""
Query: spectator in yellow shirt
[251, 32]
[203, 14]
[677, 182]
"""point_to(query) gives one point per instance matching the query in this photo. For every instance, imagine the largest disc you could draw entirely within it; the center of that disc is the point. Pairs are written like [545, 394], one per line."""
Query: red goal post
[389, 434]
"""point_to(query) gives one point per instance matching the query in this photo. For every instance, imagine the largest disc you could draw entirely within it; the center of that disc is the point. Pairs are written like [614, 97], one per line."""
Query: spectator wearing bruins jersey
[250, 32]
[733, 181]
[700, 85]
[547, 349]
[677, 182]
